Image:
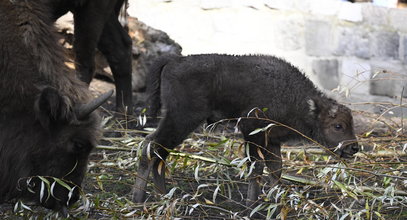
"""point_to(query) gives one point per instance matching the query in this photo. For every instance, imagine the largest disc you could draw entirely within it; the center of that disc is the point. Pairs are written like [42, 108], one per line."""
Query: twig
[367, 171]
[401, 108]
[103, 147]
[353, 188]
[294, 150]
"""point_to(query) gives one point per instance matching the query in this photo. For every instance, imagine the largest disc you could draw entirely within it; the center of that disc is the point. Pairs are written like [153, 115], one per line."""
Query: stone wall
[358, 49]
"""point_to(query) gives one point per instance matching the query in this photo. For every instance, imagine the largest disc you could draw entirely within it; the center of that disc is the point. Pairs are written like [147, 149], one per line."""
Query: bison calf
[196, 88]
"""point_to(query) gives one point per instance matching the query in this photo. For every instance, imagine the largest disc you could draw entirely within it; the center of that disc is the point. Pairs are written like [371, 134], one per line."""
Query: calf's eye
[338, 127]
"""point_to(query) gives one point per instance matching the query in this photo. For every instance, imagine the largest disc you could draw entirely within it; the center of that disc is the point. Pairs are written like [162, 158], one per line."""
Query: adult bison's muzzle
[48, 125]
[52, 193]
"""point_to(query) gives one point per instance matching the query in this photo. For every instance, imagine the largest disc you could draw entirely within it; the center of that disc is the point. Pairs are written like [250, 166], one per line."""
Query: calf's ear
[52, 108]
[313, 107]
[333, 111]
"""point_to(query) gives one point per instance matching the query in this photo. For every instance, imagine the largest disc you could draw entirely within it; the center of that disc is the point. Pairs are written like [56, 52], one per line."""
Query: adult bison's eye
[81, 146]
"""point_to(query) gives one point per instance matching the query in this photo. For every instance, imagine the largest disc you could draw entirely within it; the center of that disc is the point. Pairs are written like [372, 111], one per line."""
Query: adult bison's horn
[85, 109]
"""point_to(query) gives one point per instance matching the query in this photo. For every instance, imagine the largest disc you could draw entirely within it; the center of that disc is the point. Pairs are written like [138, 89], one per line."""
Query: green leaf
[255, 210]
[215, 194]
[62, 183]
[43, 179]
[257, 130]
[344, 188]
[196, 173]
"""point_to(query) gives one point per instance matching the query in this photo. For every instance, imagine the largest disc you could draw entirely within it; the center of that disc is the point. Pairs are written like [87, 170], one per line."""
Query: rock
[371, 123]
[148, 44]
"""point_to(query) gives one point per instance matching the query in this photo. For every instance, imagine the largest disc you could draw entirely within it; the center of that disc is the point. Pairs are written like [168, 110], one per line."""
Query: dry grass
[206, 180]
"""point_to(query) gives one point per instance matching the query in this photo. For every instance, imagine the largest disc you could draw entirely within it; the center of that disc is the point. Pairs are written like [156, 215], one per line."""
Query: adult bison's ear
[53, 108]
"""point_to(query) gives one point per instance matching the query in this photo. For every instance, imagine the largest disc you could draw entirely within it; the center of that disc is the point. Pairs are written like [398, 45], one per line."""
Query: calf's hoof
[139, 196]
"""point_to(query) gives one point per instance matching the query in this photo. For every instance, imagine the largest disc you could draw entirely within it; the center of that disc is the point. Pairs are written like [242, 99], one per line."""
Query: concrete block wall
[359, 48]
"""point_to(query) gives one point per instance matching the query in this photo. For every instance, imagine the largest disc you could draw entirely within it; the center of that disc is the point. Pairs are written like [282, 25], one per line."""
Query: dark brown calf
[195, 88]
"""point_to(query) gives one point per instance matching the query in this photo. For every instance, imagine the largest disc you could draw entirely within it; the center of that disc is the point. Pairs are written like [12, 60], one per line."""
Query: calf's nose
[355, 148]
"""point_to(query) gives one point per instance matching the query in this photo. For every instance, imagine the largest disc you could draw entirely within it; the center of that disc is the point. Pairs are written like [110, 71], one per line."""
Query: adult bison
[48, 125]
[97, 26]
[196, 88]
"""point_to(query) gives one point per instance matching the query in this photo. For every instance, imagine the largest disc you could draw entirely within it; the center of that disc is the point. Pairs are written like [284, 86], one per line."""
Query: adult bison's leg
[172, 130]
[89, 21]
[115, 44]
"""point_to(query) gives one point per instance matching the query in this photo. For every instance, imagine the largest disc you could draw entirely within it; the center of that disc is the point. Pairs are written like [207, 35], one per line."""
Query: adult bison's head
[335, 125]
[60, 142]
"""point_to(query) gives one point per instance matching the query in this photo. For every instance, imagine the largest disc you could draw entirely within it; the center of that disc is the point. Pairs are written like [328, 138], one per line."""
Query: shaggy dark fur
[196, 88]
[43, 128]
[97, 26]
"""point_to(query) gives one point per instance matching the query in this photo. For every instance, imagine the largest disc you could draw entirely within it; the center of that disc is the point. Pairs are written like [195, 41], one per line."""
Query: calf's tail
[153, 82]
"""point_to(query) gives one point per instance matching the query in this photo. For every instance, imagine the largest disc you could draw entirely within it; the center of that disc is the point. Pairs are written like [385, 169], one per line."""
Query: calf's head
[334, 126]
[61, 140]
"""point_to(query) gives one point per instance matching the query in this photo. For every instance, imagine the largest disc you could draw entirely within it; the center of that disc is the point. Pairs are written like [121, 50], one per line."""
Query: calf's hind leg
[172, 130]
[254, 141]
[273, 161]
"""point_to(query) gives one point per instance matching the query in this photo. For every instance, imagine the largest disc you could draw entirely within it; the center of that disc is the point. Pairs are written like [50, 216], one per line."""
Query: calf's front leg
[150, 163]
[143, 171]
[171, 131]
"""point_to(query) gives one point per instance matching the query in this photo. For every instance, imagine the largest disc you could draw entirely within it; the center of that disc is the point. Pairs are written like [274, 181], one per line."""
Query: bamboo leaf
[160, 167]
[62, 183]
[261, 155]
[42, 191]
[345, 189]
[255, 210]
[209, 202]
[215, 193]
[196, 173]
[257, 130]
